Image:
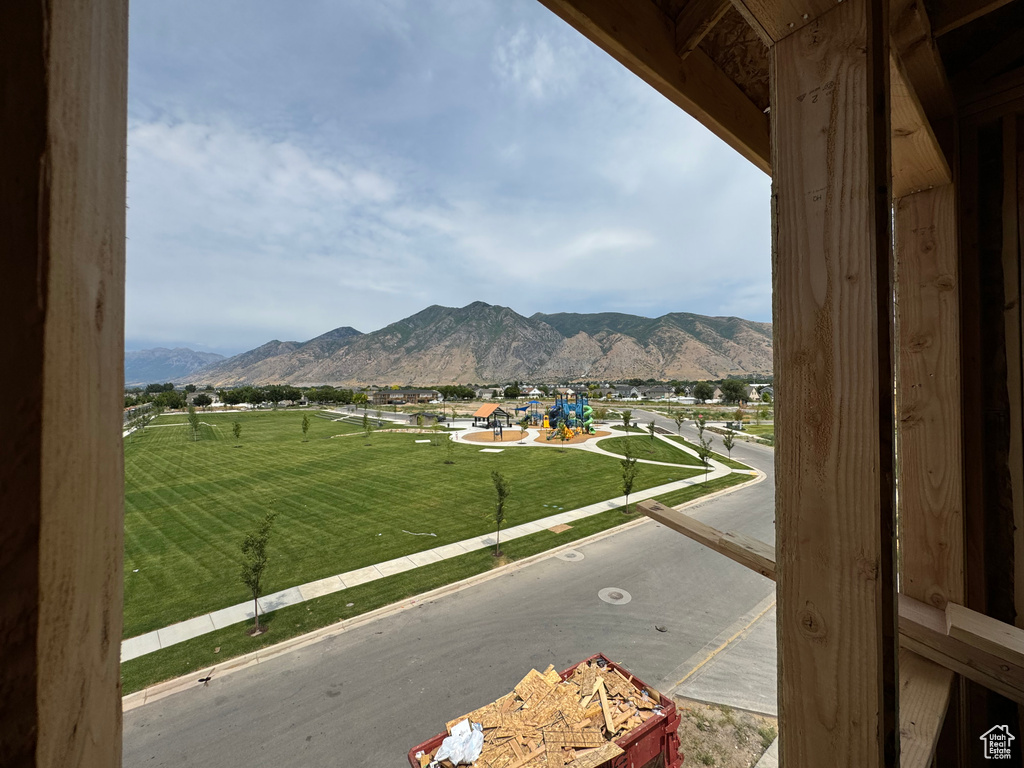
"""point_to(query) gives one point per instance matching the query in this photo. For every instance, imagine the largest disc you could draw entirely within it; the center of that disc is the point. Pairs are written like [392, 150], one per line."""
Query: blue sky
[295, 167]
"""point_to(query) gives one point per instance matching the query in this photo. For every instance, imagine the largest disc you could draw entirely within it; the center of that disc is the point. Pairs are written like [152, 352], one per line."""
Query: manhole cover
[571, 555]
[615, 596]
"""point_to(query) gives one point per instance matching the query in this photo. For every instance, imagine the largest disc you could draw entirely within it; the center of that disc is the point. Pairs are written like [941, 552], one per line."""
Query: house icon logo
[997, 742]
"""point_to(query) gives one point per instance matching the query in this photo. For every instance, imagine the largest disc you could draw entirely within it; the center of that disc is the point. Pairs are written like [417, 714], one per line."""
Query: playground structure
[571, 415]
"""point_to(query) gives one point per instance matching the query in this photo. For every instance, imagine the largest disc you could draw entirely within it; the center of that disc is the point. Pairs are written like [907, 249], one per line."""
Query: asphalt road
[365, 697]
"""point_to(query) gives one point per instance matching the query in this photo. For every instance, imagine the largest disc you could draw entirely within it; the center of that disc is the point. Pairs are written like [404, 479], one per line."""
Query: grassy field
[341, 504]
[207, 651]
[645, 448]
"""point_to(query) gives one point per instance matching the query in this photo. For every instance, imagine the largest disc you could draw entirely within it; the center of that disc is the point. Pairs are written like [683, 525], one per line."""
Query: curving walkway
[150, 642]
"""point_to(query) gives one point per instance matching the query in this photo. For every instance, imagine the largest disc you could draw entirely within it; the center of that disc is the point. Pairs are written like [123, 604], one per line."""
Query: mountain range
[487, 343]
[149, 366]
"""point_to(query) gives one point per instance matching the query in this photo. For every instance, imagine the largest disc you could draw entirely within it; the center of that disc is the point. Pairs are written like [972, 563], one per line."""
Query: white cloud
[536, 64]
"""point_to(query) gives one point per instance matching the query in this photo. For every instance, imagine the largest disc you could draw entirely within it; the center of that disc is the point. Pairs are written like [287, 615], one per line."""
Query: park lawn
[210, 650]
[721, 458]
[761, 430]
[341, 504]
[646, 448]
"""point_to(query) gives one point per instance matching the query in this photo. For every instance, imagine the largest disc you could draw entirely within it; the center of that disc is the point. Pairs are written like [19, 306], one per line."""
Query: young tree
[729, 441]
[650, 428]
[367, 428]
[254, 562]
[193, 422]
[449, 451]
[305, 426]
[627, 416]
[502, 491]
[419, 419]
[236, 430]
[679, 418]
[700, 422]
[704, 451]
[629, 473]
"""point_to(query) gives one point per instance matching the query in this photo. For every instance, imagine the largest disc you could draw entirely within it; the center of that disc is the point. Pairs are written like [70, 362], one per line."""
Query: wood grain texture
[695, 21]
[913, 40]
[777, 19]
[837, 644]
[1018, 541]
[642, 38]
[918, 161]
[928, 397]
[924, 697]
[923, 630]
[755, 555]
[1004, 641]
[82, 503]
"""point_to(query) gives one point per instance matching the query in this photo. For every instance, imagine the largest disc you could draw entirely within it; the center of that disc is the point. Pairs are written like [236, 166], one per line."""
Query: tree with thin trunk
[700, 422]
[305, 427]
[627, 416]
[501, 489]
[193, 422]
[729, 441]
[236, 430]
[629, 473]
[254, 562]
[704, 451]
[367, 427]
[650, 428]
[449, 451]
[419, 420]
[679, 418]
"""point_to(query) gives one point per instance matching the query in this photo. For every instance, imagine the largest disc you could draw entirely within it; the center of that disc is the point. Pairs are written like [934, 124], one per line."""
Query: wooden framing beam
[928, 397]
[63, 116]
[948, 15]
[918, 161]
[643, 39]
[925, 689]
[913, 41]
[695, 21]
[833, 342]
[755, 555]
[980, 648]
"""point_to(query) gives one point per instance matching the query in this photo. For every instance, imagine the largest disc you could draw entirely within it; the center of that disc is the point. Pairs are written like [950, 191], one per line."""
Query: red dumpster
[653, 744]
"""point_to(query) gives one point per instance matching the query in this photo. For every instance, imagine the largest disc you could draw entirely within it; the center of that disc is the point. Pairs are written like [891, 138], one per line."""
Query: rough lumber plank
[913, 40]
[928, 397]
[923, 630]
[832, 294]
[776, 19]
[642, 38]
[948, 15]
[1018, 562]
[695, 21]
[63, 112]
[917, 159]
[755, 555]
[924, 697]
[985, 633]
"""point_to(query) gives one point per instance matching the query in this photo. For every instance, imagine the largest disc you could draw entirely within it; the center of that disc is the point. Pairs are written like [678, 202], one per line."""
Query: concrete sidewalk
[150, 642]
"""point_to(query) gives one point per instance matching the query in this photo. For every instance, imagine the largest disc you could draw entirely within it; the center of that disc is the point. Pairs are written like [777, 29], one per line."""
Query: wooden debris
[545, 722]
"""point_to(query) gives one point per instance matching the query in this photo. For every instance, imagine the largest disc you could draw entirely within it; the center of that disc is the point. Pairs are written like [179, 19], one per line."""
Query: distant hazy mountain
[485, 343]
[149, 366]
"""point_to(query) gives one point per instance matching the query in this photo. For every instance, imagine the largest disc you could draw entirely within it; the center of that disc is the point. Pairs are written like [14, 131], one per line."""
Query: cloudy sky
[295, 167]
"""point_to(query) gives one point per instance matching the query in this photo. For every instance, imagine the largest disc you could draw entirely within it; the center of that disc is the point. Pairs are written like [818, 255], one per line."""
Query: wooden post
[834, 449]
[928, 397]
[63, 115]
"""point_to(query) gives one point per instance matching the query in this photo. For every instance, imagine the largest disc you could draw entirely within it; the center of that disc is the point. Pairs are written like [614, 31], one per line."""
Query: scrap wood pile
[545, 721]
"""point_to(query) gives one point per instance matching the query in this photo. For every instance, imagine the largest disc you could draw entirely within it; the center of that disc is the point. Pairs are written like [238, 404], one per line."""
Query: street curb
[179, 684]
